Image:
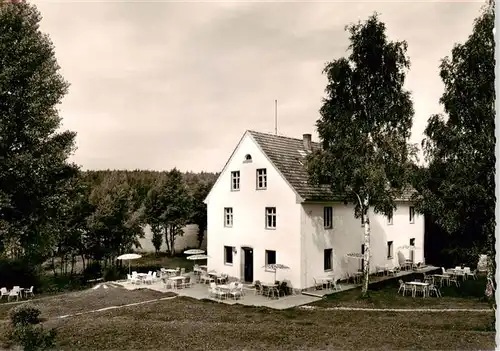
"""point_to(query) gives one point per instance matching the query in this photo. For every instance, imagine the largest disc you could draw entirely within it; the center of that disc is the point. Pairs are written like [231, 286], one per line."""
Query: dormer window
[248, 158]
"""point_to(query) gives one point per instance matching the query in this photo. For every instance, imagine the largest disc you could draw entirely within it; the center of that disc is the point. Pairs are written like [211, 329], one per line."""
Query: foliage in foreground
[26, 329]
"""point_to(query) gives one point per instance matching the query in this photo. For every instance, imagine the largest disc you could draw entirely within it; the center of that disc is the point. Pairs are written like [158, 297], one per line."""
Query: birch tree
[365, 125]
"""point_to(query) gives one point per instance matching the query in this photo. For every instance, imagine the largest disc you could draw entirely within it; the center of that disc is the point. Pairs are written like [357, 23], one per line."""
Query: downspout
[303, 248]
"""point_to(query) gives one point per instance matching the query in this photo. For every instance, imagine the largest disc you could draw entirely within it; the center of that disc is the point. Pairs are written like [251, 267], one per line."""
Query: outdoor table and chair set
[432, 283]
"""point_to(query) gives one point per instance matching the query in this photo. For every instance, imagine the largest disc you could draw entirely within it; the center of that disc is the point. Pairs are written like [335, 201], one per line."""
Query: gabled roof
[288, 156]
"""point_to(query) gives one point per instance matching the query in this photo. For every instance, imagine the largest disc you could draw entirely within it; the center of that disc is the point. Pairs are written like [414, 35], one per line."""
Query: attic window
[248, 158]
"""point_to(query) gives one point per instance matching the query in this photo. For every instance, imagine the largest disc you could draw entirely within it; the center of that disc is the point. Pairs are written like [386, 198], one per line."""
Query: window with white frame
[412, 214]
[270, 217]
[235, 181]
[228, 255]
[270, 257]
[390, 219]
[389, 249]
[261, 179]
[328, 217]
[327, 259]
[228, 217]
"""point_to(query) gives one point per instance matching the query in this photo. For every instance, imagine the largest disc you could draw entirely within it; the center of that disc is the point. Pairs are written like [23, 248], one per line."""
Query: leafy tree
[199, 210]
[115, 226]
[167, 206]
[365, 125]
[33, 154]
[157, 238]
[458, 186]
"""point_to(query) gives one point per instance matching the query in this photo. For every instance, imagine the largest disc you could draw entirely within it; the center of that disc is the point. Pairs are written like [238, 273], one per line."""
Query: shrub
[24, 314]
[113, 273]
[92, 271]
[33, 337]
[26, 330]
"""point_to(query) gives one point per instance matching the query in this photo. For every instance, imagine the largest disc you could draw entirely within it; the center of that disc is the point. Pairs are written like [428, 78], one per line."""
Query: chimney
[306, 139]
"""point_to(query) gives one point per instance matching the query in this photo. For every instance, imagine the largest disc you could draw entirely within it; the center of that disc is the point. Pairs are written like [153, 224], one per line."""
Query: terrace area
[250, 297]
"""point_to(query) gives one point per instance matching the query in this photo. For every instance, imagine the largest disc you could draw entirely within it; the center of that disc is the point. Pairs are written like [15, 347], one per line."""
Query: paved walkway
[395, 309]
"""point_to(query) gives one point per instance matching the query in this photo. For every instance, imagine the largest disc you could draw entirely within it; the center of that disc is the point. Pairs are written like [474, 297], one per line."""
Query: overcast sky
[157, 85]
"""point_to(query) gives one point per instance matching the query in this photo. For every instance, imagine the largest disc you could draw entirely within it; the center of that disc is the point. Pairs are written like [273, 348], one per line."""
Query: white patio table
[176, 279]
[328, 280]
[415, 284]
[273, 289]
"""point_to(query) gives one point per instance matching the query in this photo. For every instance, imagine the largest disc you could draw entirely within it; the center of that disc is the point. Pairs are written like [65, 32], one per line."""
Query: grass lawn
[468, 295]
[184, 323]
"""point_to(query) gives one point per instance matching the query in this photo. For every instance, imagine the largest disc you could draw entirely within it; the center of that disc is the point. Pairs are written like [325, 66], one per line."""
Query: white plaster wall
[188, 240]
[249, 218]
[346, 236]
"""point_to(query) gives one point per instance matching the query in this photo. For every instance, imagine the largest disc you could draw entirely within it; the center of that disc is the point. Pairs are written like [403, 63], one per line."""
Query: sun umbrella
[409, 247]
[129, 257]
[275, 267]
[356, 255]
[197, 257]
[194, 252]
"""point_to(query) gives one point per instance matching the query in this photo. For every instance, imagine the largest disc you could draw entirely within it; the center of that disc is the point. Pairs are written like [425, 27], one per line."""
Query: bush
[53, 284]
[92, 271]
[33, 337]
[113, 273]
[17, 272]
[26, 331]
[24, 314]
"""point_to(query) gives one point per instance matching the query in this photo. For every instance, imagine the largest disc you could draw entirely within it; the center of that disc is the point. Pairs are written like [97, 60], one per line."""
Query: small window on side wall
[389, 249]
[327, 264]
[228, 255]
[390, 219]
[270, 257]
[328, 217]
[248, 158]
[412, 214]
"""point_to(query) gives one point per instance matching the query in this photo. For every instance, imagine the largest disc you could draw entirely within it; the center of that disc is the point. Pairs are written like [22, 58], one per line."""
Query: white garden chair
[403, 287]
[14, 293]
[4, 292]
[434, 289]
[29, 292]
[237, 292]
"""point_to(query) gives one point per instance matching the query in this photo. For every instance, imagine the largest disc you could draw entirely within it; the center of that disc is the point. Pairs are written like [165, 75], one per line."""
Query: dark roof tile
[288, 156]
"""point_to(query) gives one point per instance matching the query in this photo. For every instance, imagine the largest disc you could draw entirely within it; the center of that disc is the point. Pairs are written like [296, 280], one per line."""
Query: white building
[263, 210]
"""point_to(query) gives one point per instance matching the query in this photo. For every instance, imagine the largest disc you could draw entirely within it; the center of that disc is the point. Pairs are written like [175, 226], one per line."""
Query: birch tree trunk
[366, 266]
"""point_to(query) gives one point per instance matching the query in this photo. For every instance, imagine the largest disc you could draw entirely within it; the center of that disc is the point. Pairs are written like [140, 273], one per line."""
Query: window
[228, 217]
[248, 158]
[228, 255]
[261, 179]
[327, 217]
[270, 257]
[270, 217]
[412, 242]
[362, 219]
[390, 219]
[389, 249]
[235, 181]
[327, 265]
[412, 214]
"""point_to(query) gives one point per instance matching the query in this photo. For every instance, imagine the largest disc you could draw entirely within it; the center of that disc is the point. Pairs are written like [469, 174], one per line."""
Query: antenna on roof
[275, 117]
